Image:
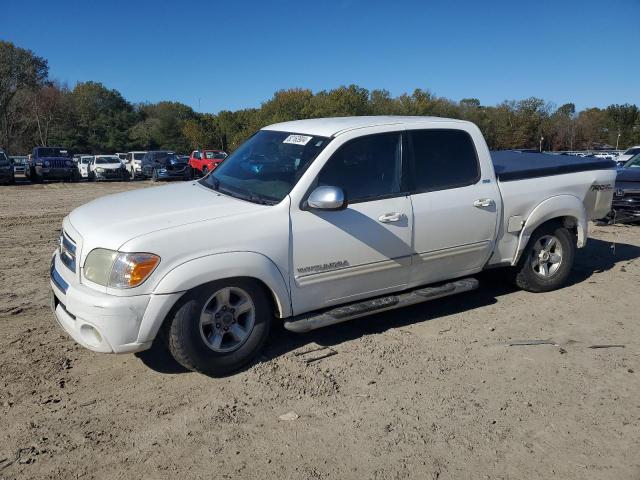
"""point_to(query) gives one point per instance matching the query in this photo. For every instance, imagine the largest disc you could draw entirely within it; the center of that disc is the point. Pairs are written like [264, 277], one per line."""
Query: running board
[311, 321]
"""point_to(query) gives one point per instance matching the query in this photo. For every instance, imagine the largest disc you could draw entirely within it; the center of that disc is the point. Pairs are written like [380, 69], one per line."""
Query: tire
[538, 271]
[205, 170]
[35, 178]
[194, 345]
[132, 174]
[154, 175]
[188, 174]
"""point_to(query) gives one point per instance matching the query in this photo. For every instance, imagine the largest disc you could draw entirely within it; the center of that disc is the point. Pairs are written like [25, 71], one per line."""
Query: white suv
[133, 163]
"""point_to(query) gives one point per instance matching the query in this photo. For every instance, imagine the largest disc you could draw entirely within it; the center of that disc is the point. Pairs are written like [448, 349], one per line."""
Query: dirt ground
[429, 392]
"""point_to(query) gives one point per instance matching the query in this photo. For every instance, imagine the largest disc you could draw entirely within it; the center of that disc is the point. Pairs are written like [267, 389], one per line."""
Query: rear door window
[443, 159]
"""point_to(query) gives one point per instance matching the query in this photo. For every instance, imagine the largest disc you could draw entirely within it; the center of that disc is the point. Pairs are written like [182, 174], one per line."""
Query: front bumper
[626, 208]
[54, 173]
[118, 174]
[171, 174]
[106, 323]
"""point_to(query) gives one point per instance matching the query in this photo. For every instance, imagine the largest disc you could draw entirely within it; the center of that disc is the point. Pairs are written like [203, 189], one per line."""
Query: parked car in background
[51, 163]
[313, 223]
[7, 174]
[19, 163]
[121, 156]
[107, 167]
[164, 165]
[626, 196]
[82, 164]
[625, 156]
[134, 164]
[204, 161]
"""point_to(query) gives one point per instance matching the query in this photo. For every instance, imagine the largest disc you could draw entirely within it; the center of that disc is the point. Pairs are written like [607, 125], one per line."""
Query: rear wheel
[220, 327]
[547, 260]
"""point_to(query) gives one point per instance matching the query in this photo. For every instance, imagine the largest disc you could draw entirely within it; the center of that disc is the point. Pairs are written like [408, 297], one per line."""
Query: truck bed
[512, 165]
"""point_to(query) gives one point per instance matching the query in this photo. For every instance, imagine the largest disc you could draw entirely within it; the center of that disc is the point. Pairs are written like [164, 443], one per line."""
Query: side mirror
[327, 198]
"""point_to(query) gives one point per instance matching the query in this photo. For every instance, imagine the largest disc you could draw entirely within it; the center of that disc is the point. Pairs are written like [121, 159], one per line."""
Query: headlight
[118, 269]
[99, 170]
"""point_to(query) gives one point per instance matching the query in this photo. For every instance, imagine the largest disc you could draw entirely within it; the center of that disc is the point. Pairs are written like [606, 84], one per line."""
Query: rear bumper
[106, 323]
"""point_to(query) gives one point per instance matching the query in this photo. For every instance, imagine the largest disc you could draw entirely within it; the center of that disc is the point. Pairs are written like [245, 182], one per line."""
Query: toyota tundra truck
[316, 222]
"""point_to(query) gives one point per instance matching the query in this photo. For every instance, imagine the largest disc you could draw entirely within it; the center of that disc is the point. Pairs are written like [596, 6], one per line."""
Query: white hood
[110, 221]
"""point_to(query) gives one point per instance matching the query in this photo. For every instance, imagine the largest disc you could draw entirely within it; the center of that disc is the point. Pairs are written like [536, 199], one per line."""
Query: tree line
[91, 118]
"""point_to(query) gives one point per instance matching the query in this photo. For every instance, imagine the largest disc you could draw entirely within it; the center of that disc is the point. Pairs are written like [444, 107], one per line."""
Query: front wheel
[220, 327]
[154, 175]
[547, 260]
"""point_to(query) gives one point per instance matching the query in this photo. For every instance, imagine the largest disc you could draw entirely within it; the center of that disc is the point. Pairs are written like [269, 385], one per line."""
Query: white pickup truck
[315, 222]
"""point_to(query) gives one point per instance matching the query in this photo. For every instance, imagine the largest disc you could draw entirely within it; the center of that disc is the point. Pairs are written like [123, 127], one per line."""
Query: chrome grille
[68, 251]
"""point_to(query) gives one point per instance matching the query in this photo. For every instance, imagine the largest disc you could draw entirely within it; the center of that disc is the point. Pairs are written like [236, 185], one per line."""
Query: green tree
[20, 71]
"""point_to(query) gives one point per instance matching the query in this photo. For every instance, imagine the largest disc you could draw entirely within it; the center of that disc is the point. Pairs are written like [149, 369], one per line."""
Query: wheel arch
[209, 268]
[567, 209]
[223, 266]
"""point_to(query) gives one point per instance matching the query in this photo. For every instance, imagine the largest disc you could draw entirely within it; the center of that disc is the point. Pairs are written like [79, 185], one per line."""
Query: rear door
[454, 205]
[365, 249]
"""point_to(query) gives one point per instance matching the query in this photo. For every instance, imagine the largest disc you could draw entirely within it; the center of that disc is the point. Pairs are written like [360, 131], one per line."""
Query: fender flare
[218, 266]
[555, 207]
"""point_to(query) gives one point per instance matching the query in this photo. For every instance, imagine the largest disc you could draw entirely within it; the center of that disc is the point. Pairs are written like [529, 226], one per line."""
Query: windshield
[632, 151]
[266, 167]
[138, 156]
[52, 152]
[634, 162]
[165, 157]
[103, 160]
[210, 155]
[85, 160]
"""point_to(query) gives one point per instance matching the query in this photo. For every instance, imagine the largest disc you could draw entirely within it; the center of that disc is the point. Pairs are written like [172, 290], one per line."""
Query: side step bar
[310, 321]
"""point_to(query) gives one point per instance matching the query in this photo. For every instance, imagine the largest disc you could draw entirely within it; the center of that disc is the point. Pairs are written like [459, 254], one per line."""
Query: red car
[204, 161]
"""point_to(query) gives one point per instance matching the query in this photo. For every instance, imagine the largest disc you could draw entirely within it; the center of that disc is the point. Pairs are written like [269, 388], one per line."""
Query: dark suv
[6, 169]
[51, 163]
[165, 165]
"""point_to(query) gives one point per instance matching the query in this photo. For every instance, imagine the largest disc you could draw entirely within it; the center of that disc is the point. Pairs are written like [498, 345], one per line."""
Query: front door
[365, 249]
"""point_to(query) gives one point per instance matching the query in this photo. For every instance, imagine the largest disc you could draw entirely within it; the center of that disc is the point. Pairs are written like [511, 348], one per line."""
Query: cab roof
[333, 126]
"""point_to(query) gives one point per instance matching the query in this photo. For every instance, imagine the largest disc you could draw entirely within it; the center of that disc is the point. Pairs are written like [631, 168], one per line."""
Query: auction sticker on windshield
[297, 139]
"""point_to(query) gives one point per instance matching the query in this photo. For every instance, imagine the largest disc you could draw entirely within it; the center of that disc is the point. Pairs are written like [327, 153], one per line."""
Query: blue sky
[235, 54]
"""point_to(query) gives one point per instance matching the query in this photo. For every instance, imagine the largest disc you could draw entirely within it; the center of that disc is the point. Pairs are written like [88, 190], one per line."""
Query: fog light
[90, 335]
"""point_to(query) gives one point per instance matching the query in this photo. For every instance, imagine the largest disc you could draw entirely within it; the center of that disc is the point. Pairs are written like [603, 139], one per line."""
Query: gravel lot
[427, 392]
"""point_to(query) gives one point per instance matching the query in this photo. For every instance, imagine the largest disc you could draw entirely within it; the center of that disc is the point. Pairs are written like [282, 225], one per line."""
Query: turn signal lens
[131, 269]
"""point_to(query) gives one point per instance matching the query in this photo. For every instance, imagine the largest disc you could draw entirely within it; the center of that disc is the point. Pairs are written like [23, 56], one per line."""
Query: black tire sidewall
[185, 340]
[533, 281]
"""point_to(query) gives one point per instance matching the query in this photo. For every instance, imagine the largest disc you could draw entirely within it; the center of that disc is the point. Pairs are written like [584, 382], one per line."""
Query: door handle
[390, 217]
[483, 203]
